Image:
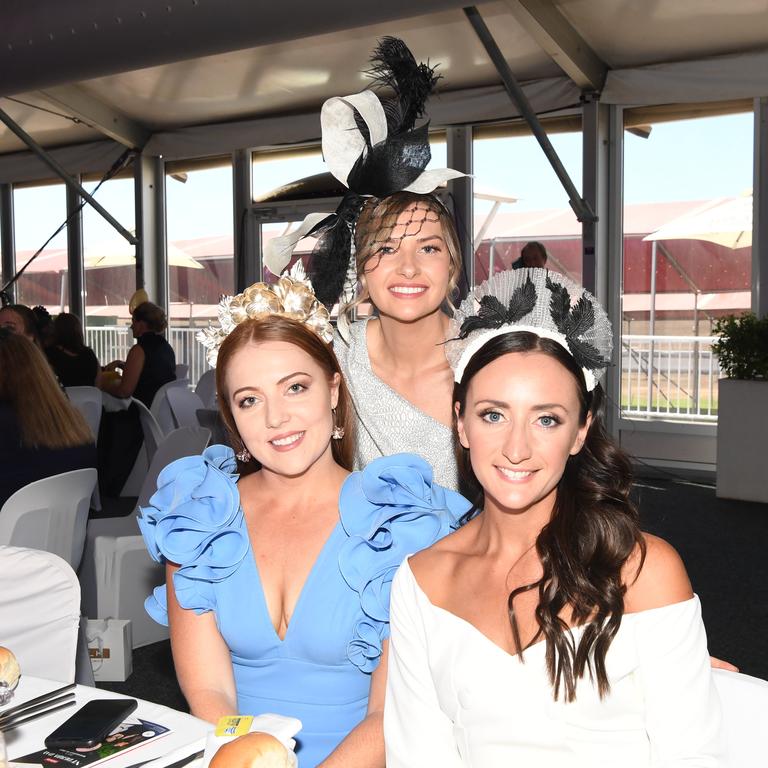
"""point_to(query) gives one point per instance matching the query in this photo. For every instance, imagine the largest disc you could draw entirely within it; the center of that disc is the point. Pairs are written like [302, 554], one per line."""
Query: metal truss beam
[554, 34]
[77, 102]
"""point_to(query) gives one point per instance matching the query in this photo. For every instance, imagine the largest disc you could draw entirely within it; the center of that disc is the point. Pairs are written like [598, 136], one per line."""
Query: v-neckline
[299, 602]
[367, 358]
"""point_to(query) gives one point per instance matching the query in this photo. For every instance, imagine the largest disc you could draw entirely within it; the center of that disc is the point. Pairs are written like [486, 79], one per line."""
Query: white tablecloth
[187, 736]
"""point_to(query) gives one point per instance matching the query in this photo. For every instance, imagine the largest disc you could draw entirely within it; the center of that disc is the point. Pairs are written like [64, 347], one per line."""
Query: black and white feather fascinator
[371, 145]
[538, 301]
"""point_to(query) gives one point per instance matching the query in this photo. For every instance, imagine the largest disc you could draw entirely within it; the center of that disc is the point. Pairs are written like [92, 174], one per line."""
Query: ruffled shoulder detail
[194, 519]
[389, 510]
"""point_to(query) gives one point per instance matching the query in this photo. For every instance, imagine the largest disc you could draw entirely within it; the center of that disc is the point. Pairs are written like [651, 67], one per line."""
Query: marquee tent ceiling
[187, 78]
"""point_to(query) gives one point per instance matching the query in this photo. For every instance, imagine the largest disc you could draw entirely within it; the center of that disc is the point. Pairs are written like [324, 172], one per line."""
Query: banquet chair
[182, 371]
[184, 406]
[118, 574]
[160, 407]
[89, 401]
[744, 702]
[50, 514]
[39, 612]
[153, 436]
[206, 388]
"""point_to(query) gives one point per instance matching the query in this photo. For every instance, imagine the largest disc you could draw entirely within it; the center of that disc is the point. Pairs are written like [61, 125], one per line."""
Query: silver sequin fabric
[386, 422]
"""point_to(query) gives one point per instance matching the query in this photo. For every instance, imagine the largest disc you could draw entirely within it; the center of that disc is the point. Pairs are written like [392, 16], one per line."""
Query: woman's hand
[114, 365]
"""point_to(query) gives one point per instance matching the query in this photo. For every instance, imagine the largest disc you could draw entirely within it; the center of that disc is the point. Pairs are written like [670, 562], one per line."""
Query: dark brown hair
[276, 328]
[28, 318]
[152, 315]
[375, 224]
[46, 418]
[68, 332]
[593, 530]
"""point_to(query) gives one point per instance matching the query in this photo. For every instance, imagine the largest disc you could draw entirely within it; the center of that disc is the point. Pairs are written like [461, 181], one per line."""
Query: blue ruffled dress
[320, 672]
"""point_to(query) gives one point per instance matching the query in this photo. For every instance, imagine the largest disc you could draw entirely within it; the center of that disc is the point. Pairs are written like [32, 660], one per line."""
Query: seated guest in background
[534, 254]
[150, 363]
[44, 325]
[41, 433]
[550, 568]
[75, 364]
[20, 319]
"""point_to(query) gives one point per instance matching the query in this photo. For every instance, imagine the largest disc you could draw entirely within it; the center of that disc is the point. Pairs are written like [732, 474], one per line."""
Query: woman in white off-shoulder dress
[548, 631]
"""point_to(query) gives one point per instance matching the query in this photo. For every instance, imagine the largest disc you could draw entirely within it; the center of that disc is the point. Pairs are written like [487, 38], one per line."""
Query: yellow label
[234, 725]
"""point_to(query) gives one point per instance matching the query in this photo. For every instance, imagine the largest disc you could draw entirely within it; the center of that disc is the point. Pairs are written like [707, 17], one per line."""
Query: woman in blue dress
[279, 561]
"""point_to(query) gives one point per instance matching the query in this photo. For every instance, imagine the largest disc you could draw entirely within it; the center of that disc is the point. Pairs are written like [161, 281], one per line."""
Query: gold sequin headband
[292, 297]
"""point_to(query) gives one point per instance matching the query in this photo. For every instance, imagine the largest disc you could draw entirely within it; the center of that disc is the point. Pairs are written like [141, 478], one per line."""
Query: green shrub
[743, 346]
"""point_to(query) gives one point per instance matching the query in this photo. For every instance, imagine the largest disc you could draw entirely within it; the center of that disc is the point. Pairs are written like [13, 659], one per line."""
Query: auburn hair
[277, 328]
[593, 530]
[46, 418]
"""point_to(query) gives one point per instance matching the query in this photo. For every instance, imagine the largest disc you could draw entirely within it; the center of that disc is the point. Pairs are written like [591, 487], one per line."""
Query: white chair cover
[39, 612]
[50, 514]
[117, 573]
[89, 401]
[744, 701]
[184, 406]
[206, 388]
[160, 408]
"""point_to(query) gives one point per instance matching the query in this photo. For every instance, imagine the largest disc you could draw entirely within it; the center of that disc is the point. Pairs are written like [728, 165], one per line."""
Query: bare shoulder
[657, 580]
[433, 567]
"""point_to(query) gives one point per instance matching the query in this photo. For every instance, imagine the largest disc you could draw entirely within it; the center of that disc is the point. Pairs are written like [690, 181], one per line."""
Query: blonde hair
[46, 418]
[377, 220]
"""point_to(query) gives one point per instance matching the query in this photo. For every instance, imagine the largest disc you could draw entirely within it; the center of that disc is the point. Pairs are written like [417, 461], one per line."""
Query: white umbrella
[727, 223]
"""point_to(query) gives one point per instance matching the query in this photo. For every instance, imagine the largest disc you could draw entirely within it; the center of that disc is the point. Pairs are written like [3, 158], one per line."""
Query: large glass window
[518, 198]
[38, 212]
[687, 260]
[200, 256]
[110, 269]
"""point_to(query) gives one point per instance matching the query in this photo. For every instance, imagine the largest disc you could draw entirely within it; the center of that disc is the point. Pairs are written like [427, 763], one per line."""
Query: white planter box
[742, 440]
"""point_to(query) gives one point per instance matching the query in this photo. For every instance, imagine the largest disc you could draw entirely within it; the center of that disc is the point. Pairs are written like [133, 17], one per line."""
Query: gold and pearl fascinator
[292, 297]
[537, 301]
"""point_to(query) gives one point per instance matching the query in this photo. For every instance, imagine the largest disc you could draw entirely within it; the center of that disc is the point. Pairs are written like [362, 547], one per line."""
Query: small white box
[110, 649]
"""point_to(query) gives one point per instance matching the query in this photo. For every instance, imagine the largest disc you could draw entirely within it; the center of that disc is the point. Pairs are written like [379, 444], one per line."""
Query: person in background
[75, 364]
[44, 323]
[41, 433]
[19, 318]
[533, 254]
[150, 364]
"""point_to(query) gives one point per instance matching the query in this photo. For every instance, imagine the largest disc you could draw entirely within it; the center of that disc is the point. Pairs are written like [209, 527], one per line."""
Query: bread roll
[254, 750]
[9, 668]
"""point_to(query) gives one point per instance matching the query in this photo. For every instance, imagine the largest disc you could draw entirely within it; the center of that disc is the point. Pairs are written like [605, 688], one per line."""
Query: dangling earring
[338, 431]
[243, 455]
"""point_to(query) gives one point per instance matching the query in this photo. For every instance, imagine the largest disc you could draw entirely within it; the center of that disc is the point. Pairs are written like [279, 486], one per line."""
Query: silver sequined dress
[386, 422]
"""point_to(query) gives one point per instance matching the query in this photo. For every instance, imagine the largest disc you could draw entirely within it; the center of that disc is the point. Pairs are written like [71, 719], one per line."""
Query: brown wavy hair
[46, 418]
[276, 328]
[377, 220]
[593, 530]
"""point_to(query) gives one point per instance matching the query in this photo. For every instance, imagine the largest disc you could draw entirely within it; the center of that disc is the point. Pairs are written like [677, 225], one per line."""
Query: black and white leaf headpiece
[541, 302]
[371, 145]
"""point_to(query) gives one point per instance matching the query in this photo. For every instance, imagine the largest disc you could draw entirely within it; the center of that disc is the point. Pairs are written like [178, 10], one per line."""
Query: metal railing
[669, 377]
[662, 377]
[113, 342]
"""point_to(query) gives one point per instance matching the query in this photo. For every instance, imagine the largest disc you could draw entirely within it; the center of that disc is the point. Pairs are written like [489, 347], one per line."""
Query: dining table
[187, 735]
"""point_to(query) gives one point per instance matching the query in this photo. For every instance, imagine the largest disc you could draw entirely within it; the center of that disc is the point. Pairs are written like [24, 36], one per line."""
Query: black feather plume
[393, 66]
[581, 317]
[329, 261]
[559, 304]
[522, 302]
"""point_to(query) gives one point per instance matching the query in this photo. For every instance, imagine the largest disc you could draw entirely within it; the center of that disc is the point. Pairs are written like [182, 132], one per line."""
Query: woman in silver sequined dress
[408, 264]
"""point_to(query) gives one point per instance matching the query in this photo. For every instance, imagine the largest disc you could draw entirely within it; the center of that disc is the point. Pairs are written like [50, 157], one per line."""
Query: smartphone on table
[91, 724]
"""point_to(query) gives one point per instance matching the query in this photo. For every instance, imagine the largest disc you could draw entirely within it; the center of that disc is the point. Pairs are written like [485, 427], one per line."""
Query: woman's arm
[417, 731]
[126, 386]
[202, 659]
[364, 746]
[682, 709]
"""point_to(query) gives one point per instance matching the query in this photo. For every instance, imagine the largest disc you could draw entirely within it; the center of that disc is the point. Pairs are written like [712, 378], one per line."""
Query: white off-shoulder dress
[455, 698]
